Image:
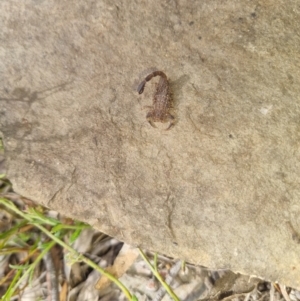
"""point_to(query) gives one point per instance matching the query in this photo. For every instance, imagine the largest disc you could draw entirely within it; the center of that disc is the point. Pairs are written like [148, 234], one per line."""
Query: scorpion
[162, 100]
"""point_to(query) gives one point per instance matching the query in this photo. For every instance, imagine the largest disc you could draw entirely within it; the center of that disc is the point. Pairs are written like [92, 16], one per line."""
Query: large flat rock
[221, 188]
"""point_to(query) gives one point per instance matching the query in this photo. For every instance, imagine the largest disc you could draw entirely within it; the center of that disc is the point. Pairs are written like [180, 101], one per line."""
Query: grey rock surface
[217, 189]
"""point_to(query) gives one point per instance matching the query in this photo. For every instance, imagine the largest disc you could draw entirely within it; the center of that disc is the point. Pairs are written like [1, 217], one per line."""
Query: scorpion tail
[141, 86]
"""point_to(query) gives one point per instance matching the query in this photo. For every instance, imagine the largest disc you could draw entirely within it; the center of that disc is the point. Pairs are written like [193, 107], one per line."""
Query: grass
[48, 232]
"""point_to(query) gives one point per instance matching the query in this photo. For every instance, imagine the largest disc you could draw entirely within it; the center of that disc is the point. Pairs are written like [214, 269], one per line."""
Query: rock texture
[221, 188]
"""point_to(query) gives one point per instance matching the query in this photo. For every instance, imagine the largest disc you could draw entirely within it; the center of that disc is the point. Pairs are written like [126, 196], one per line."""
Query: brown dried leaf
[122, 263]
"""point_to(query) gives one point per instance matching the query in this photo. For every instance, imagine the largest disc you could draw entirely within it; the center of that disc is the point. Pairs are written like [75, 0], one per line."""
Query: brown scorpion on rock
[162, 100]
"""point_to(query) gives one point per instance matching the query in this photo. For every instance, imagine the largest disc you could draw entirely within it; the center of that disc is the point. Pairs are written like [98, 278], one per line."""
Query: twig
[158, 276]
[172, 273]
[51, 277]
[284, 292]
[272, 292]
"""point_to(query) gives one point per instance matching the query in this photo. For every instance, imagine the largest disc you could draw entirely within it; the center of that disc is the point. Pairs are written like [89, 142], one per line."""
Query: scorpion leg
[149, 119]
[172, 121]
